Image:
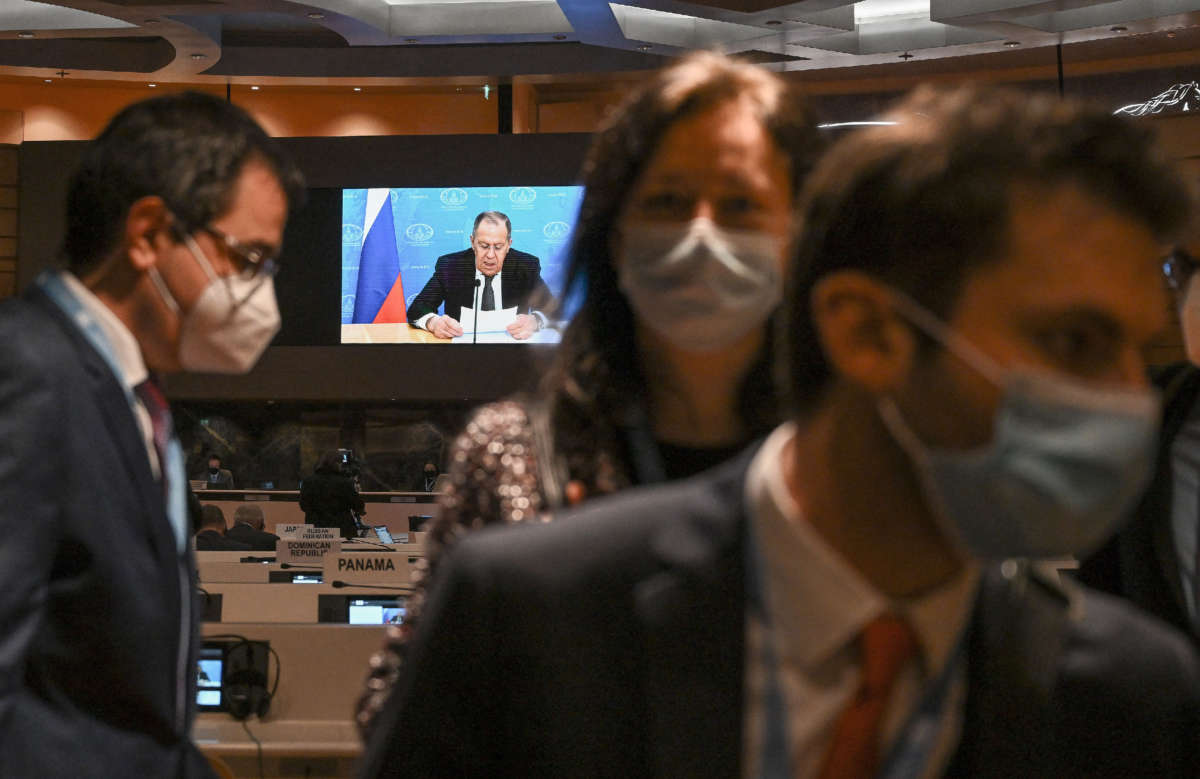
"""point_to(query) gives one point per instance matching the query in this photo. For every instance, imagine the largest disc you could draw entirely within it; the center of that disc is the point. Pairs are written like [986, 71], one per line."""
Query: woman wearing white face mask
[679, 253]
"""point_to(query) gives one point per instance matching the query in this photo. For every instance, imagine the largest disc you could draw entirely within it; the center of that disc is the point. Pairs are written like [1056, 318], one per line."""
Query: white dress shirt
[478, 297]
[818, 605]
[128, 356]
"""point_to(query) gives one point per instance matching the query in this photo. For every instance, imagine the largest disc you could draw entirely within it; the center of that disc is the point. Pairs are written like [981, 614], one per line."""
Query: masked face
[1065, 464]
[699, 245]
[699, 286]
[231, 323]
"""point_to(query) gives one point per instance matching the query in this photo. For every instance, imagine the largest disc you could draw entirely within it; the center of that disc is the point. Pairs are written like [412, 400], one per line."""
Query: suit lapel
[122, 429]
[692, 613]
[1017, 636]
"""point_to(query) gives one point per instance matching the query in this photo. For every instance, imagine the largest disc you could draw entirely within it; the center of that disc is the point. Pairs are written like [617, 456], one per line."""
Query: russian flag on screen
[380, 295]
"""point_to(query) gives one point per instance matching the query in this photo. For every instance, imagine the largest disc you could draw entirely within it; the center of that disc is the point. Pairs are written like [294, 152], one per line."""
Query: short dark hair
[923, 203]
[187, 148]
[596, 372]
[211, 516]
[493, 216]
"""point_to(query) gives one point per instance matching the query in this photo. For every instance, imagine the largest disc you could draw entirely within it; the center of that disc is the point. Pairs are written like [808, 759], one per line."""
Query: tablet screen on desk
[210, 669]
[376, 611]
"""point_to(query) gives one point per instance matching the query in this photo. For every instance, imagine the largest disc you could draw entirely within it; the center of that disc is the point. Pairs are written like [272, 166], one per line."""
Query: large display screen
[407, 252]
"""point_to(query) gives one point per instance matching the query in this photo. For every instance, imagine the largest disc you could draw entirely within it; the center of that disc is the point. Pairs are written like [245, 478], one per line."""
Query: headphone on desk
[245, 682]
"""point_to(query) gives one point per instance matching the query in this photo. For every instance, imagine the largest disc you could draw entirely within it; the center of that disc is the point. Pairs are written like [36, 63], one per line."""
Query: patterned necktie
[887, 645]
[489, 295]
[156, 406]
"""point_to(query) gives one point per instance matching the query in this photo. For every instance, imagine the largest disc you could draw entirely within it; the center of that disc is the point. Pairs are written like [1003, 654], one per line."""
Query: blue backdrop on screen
[431, 222]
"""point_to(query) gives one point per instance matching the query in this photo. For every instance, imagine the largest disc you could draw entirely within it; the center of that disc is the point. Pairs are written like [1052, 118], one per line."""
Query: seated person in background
[431, 476]
[216, 477]
[504, 277]
[211, 536]
[971, 293]
[247, 528]
[329, 498]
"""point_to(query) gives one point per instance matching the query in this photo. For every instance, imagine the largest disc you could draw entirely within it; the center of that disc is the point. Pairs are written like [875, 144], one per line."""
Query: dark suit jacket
[609, 643]
[1140, 563]
[97, 668]
[222, 481]
[453, 283]
[258, 540]
[212, 541]
[330, 500]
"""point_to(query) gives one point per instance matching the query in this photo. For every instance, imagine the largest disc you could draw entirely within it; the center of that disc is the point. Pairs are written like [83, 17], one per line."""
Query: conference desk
[391, 509]
[403, 333]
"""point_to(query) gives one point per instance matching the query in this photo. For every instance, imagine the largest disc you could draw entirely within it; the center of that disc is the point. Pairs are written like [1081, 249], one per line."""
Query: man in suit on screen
[961, 348]
[175, 216]
[491, 275]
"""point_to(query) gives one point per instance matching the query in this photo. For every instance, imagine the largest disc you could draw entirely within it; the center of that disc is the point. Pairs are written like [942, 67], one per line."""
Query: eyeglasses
[1178, 267]
[255, 261]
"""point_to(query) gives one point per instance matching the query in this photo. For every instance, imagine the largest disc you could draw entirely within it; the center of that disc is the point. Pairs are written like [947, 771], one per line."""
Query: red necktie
[156, 406]
[887, 645]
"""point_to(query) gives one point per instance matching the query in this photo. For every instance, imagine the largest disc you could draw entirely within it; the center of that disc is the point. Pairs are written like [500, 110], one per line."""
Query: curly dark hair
[596, 373]
[924, 202]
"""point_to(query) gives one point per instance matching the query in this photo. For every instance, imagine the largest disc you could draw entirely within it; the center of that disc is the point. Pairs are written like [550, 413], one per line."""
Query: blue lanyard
[913, 748]
[774, 759]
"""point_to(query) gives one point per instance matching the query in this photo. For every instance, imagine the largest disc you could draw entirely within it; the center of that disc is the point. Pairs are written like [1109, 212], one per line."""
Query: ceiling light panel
[688, 32]
[27, 15]
[409, 18]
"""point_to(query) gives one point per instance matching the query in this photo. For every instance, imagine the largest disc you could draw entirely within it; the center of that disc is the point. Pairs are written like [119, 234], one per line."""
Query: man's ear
[146, 231]
[864, 340]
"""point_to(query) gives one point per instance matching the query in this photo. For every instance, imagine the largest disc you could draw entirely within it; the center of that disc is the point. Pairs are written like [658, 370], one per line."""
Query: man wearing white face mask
[961, 345]
[174, 219]
[1153, 560]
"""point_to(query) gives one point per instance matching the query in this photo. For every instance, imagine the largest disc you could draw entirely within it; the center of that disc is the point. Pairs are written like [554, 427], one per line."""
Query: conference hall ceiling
[325, 40]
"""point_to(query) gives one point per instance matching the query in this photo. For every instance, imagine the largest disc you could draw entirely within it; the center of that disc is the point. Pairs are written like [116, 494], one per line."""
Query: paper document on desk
[489, 321]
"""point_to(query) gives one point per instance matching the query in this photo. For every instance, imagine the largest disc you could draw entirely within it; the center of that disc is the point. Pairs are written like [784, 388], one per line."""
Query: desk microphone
[257, 560]
[285, 566]
[369, 543]
[338, 584]
[475, 303]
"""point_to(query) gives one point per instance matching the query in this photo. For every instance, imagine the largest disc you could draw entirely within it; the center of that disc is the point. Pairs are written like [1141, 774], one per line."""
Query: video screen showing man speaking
[455, 265]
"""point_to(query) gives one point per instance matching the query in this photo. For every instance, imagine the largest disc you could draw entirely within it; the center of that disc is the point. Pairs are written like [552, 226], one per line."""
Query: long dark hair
[596, 373]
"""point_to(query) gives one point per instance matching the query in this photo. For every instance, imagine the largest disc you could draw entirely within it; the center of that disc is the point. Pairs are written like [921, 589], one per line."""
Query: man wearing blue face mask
[968, 300]
[174, 218]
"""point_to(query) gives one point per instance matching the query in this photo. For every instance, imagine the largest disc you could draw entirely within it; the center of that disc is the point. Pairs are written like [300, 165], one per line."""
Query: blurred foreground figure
[174, 218]
[969, 299]
[680, 252]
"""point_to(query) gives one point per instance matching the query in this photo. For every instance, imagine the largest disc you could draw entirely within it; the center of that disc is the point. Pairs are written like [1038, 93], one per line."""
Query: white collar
[817, 601]
[126, 352]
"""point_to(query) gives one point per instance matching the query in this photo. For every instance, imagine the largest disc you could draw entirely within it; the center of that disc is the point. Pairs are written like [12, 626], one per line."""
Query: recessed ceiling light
[1012, 44]
[152, 86]
[24, 35]
[410, 40]
[644, 47]
[254, 88]
[48, 80]
[316, 15]
[358, 89]
[150, 21]
[1118, 28]
[199, 56]
[1171, 34]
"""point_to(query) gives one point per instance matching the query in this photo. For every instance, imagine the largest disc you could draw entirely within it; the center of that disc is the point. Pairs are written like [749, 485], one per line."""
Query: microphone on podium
[475, 306]
[338, 584]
